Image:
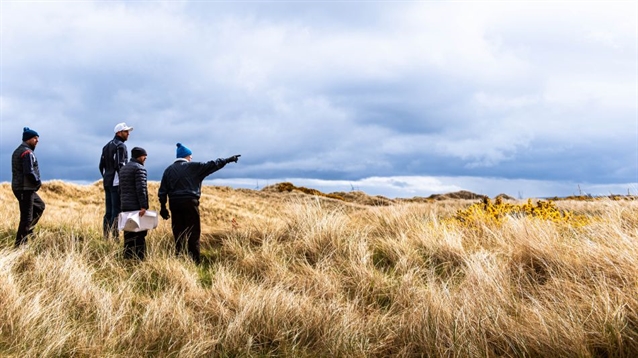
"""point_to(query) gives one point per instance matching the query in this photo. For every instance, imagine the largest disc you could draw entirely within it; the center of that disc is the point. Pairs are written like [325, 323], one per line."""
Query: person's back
[133, 186]
[183, 179]
[114, 157]
[134, 197]
[181, 188]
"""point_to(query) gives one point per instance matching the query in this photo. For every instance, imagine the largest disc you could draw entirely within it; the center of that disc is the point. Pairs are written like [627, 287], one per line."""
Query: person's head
[139, 154]
[183, 152]
[122, 130]
[30, 137]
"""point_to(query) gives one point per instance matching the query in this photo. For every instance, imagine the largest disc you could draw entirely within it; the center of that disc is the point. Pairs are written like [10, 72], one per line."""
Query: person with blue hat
[181, 187]
[25, 182]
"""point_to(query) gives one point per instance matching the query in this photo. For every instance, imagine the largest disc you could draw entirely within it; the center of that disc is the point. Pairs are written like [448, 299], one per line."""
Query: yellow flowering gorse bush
[498, 211]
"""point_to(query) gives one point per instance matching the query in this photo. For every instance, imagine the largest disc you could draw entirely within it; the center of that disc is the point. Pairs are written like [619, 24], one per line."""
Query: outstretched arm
[212, 166]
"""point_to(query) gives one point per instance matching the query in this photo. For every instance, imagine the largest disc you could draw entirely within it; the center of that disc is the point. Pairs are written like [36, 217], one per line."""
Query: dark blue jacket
[114, 157]
[133, 189]
[183, 179]
[24, 169]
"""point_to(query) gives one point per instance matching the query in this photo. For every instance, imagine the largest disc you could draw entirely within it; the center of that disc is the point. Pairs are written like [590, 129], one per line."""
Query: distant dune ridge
[360, 197]
[293, 272]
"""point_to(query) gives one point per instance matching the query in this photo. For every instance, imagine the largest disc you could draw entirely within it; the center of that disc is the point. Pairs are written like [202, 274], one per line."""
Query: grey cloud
[335, 91]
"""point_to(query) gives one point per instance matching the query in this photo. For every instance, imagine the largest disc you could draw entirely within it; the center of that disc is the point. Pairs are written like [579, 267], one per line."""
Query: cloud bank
[446, 94]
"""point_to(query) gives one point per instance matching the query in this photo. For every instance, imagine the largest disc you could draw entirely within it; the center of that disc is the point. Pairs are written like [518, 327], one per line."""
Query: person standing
[134, 197]
[25, 182]
[182, 184]
[114, 157]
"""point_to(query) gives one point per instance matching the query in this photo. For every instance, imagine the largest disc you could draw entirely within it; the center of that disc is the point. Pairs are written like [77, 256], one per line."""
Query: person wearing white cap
[114, 157]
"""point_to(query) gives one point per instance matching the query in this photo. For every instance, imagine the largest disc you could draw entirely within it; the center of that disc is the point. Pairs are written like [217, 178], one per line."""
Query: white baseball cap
[122, 127]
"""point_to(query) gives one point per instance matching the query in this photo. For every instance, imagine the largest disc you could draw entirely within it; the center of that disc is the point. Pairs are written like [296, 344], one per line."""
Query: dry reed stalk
[289, 274]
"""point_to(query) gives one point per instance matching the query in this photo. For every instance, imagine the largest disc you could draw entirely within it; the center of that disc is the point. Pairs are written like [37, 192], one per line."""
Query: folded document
[132, 221]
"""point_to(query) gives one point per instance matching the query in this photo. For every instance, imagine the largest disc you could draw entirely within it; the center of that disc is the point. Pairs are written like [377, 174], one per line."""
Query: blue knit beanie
[28, 134]
[182, 151]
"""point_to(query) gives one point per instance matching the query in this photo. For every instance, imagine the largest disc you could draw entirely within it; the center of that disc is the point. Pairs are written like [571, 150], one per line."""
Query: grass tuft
[285, 273]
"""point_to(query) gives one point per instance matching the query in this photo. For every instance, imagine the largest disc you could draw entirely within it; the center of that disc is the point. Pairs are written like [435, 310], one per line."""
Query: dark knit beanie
[138, 152]
[28, 134]
[182, 151]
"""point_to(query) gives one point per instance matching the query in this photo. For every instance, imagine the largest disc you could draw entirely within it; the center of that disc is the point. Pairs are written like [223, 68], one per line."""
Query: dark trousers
[31, 209]
[186, 226]
[109, 224]
[135, 245]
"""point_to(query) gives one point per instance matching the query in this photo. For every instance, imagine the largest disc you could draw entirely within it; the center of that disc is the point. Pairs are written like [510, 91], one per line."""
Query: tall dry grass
[295, 275]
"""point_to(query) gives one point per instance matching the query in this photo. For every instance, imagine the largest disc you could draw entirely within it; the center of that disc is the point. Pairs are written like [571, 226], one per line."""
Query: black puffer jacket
[183, 179]
[133, 189]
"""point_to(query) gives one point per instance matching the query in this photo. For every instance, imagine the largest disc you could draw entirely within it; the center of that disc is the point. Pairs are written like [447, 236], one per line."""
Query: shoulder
[21, 148]
[137, 166]
[178, 164]
[117, 142]
[24, 152]
[111, 146]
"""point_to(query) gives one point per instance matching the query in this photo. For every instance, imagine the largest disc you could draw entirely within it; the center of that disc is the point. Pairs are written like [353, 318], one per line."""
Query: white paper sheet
[132, 221]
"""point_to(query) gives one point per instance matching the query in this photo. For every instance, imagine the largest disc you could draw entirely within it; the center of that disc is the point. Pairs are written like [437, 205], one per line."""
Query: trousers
[186, 226]
[135, 245]
[31, 209]
[109, 223]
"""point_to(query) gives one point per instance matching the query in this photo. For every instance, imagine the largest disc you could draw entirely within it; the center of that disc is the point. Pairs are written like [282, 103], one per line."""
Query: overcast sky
[399, 99]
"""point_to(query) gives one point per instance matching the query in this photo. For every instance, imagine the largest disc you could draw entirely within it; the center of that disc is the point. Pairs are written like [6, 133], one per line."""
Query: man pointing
[182, 184]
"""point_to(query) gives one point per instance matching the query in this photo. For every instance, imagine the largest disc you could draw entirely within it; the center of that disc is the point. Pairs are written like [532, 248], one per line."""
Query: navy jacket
[133, 189]
[114, 157]
[183, 179]
[24, 169]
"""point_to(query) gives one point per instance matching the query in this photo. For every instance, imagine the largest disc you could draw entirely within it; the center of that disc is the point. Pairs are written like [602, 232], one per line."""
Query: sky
[395, 98]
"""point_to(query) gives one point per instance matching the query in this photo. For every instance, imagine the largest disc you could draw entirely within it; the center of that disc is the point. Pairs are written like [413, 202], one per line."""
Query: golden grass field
[300, 275]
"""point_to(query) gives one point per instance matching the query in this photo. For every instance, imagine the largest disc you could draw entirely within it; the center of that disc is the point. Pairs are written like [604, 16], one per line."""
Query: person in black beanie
[114, 157]
[134, 196]
[182, 184]
[25, 182]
